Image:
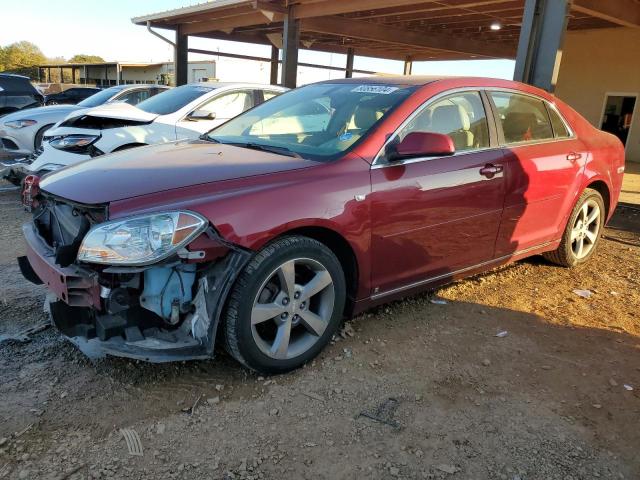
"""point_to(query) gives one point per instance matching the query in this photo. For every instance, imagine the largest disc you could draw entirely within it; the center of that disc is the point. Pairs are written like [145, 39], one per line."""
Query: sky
[63, 28]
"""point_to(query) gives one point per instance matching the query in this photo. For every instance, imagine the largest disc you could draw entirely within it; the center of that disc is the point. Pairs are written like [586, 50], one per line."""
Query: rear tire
[285, 306]
[582, 233]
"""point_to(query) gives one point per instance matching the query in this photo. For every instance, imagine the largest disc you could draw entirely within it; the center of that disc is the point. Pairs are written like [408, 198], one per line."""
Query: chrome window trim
[378, 163]
[409, 161]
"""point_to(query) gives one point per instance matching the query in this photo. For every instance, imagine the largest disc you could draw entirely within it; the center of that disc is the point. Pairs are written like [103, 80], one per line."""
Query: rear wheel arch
[603, 189]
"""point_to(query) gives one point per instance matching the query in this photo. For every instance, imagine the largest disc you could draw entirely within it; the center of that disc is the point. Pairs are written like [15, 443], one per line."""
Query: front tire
[582, 233]
[285, 306]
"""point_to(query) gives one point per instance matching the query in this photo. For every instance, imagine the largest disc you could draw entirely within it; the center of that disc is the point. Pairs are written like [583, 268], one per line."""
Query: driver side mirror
[423, 144]
[201, 115]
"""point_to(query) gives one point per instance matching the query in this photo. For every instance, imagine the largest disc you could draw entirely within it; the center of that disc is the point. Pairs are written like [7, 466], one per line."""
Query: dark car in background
[17, 93]
[71, 96]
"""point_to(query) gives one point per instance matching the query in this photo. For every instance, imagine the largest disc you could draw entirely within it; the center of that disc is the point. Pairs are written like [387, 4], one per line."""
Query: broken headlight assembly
[73, 143]
[140, 240]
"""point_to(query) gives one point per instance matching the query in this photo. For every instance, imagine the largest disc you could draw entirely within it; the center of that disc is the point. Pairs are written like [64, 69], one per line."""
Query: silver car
[21, 132]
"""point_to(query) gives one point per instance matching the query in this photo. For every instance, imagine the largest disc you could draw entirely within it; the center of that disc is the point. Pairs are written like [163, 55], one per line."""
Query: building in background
[116, 73]
[600, 77]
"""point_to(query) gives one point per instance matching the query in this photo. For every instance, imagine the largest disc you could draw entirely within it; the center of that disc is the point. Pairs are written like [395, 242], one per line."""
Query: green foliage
[82, 58]
[20, 55]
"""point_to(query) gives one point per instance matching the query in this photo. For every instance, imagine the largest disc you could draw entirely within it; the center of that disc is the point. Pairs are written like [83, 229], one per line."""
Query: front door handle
[491, 170]
[573, 156]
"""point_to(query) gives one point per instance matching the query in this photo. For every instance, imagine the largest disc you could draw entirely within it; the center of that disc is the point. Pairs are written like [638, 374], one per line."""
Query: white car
[21, 132]
[180, 113]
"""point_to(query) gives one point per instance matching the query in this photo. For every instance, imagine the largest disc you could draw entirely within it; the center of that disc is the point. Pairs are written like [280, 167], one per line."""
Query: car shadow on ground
[542, 387]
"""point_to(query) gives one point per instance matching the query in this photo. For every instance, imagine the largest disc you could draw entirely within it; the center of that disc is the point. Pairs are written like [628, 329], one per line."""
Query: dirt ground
[556, 397]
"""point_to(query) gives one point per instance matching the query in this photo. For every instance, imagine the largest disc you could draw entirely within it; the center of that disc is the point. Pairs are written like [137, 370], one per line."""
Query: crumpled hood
[34, 113]
[116, 110]
[156, 168]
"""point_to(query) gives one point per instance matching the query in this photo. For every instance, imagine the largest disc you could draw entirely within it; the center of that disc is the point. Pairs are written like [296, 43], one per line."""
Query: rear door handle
[491, 170]
[572, 157]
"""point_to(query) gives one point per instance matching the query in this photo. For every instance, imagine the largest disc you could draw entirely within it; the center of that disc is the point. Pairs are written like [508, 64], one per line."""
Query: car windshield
[318, 122]
[173, 100]
[99, 98]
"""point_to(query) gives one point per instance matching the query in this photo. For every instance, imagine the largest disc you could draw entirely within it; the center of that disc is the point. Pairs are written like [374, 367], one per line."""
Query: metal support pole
[60, 72]
[85, 74]
[106, 75]
[544, 24]
[275, 57]
[181, 56]
[290, 42]
[349, 68]
[408, 66]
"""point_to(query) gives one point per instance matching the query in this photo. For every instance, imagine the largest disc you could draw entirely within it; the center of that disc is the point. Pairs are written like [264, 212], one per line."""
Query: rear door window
[523, 118]
[134, 97]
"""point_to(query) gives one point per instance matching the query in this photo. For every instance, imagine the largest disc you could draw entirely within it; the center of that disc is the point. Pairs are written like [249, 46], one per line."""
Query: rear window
[523, 118]
[173, 100]
[16, 86]
[99, 98]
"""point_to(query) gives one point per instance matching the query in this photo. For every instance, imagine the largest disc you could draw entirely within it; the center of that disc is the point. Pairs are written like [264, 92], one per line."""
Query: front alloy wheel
[285, 306]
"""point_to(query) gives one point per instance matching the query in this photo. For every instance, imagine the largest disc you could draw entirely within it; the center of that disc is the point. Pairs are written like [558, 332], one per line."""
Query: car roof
[446, 82]
[260, 86]
[14, 75]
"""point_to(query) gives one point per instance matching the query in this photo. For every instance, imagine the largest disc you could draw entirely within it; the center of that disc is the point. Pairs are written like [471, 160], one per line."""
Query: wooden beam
[230, 23]
[380, 33]
[333, 7]
[621, 12]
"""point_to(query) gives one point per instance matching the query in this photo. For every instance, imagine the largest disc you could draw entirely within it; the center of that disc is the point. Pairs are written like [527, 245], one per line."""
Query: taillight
[30, 190]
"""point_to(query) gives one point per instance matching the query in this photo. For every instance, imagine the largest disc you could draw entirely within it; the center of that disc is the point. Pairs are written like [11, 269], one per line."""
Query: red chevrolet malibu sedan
[329, 199]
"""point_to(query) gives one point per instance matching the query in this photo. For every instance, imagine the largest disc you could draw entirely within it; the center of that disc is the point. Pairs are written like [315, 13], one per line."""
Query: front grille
[63, 225]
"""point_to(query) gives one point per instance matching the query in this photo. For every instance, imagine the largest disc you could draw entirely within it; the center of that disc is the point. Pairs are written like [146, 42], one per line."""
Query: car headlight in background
[140, 240]
[20, 123]
[73, 143]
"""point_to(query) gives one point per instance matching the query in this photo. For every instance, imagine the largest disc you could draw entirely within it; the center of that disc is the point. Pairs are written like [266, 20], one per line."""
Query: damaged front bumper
[132, 312]
[15, 170]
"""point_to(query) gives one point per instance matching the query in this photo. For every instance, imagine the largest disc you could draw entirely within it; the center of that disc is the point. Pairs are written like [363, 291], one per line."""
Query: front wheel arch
[37, 139]
[128, 146]
[342, 249]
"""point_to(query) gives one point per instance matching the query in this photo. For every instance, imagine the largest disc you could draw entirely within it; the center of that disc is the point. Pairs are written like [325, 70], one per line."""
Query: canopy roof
[395, 29]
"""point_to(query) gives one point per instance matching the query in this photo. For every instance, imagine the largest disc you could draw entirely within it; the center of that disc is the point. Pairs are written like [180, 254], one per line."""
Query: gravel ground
[555, 397]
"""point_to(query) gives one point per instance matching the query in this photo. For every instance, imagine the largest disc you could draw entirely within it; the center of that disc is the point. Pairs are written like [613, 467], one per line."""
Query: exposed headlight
[73, 143]
[19, 123]
[140, 240]
[51, 166]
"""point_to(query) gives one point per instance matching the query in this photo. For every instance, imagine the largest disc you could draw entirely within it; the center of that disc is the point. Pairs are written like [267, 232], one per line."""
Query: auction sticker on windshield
[381, 89]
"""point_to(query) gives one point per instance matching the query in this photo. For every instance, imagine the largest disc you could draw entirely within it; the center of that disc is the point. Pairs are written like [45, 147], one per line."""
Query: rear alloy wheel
[285, 306]
[582, 232]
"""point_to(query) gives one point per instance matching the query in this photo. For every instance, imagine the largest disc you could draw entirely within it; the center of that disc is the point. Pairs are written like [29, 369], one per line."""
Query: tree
[20, 55]
[82, 58]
